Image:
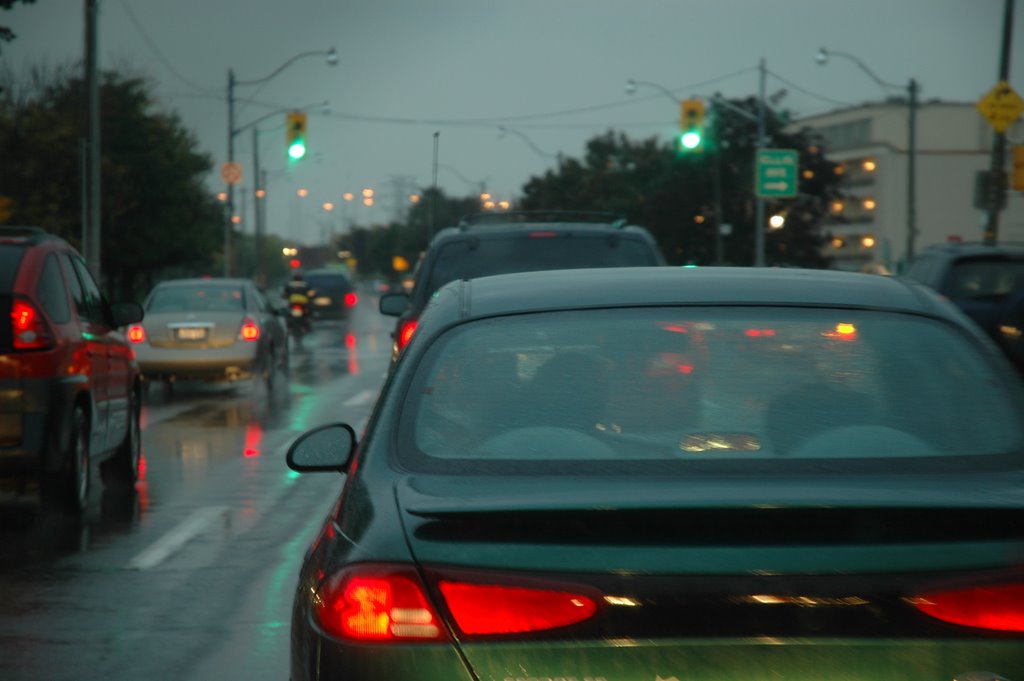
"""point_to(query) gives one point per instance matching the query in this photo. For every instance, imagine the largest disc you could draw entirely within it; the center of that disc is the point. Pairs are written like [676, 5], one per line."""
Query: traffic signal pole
[998, 167]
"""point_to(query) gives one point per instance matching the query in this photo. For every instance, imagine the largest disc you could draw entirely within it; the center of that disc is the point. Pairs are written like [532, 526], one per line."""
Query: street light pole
[332, 59]
[912, 95]
[759, 210]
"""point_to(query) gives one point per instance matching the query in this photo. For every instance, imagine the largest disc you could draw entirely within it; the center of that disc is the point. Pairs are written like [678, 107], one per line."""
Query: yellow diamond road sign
[1001, 106]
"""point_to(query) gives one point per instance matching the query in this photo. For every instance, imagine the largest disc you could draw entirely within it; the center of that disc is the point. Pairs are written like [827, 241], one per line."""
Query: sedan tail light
[500, 609]
[998, 607]
[250, 330]
[351, 299]
[29, 329]
[388, 603]
[374, 602]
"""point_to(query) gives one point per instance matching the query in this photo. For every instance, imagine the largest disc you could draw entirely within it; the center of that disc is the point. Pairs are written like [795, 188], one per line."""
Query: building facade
[869, 227]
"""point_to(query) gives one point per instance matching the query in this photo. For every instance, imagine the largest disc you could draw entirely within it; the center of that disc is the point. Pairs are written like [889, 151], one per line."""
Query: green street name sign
[776, 173]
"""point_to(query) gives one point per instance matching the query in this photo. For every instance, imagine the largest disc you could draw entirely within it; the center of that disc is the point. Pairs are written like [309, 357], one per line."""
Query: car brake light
[759, 333]
[29, 329]
[373, 602]
[351, 299]
[405, 331]
[999, 607]
[499, 609]
[136, 334]
[250, 330]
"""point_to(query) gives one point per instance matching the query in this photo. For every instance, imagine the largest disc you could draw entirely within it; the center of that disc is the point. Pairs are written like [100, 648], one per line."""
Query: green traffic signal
[690, 139]
[297, 150]
[295, 134]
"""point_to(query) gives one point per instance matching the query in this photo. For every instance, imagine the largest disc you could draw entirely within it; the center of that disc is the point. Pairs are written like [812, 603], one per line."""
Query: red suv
[69, 383]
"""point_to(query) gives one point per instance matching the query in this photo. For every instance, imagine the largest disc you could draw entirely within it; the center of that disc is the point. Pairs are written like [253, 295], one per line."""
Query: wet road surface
[191, 576]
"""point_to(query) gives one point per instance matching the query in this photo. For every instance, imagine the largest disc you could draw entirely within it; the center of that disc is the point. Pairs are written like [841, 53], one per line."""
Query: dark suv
[986, 282]
[333, 297]
[518, 241]
[69, 383]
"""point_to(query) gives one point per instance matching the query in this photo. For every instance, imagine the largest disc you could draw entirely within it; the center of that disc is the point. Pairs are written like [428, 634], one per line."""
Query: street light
[332, 59]
[822, 58]
[503, 130]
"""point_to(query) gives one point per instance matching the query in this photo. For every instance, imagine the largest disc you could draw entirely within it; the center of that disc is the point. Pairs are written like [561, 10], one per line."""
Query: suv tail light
[351, 299]
[136, 333]
[405, 331]
[29, 329]
[375, 602]
[999, 606]
[250, 330]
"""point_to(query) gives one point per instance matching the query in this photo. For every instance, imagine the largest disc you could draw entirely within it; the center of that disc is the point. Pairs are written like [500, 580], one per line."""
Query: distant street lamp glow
[236, 219]
[328, 206]
[776, 221]
[348, 196]
[414, 198]
[222, 196]
[303, 193]
[260, 193]
[367, 193]
[368, 201]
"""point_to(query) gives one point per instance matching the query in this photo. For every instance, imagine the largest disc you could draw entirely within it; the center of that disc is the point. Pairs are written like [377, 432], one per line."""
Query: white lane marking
[359, 399]
[190, 527]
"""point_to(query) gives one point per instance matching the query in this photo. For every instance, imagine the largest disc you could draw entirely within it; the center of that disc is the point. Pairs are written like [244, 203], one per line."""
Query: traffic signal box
[691, 126]
[295, 134]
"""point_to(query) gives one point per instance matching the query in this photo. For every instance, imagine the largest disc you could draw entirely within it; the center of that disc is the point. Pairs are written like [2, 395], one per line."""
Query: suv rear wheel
[68, 489]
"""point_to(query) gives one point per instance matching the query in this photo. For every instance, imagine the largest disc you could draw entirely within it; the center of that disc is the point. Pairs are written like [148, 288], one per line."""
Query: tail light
[136, 334]
[382, 603]
[351, 299]
[29, 329]
[499, 609]
[405, 331]
[998, 607]
[250, 330]
[388, 603]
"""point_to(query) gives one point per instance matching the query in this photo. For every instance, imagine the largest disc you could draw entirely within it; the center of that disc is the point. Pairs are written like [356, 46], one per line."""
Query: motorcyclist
[298, 294]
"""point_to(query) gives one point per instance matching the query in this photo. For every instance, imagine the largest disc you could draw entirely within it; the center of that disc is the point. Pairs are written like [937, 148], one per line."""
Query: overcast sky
[552, 71]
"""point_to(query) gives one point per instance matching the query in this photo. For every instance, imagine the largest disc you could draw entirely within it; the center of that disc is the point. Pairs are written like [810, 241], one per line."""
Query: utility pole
[259, 195]
[759, 211]
[228, 226]
[998, 167]
[91, 239]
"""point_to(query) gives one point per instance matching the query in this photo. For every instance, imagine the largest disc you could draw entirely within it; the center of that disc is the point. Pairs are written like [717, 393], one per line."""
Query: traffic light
[691, 126]
[295, 134]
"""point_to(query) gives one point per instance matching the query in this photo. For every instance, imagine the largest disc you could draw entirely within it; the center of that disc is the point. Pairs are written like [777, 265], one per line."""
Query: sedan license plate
[191, 334]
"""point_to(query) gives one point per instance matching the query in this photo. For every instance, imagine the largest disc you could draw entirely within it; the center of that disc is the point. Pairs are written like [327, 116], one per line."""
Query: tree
[673, 195]
[157, 214]
[6, 34]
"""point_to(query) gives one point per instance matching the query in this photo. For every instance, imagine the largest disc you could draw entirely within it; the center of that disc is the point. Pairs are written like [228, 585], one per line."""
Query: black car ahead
[332, 296]
[664, 473]
[986, 282]
[518, 241]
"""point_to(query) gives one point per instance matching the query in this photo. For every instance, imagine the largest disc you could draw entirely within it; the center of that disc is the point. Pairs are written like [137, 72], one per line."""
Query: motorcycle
[300, 321]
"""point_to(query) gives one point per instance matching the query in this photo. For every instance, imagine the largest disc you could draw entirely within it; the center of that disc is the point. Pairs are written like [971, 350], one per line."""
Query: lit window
[869, 204]
[868, 241]
[837, 242]
[838, 206]
[869, 165]
[808, 174]
[840, 169]
[699, 219]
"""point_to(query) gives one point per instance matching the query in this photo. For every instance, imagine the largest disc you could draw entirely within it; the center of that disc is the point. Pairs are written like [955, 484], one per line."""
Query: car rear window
[695, 385]
[986, 277]
[10, 258]
[199, 298]
[479, 257]
[328, 281]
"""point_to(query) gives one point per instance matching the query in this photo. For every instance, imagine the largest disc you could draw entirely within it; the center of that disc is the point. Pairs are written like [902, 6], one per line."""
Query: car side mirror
[394, 304]
[327, 448]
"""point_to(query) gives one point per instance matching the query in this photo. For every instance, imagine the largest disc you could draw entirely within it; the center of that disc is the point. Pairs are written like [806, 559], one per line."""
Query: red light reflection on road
[353, 356]
[253, 438]
[142, 487]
